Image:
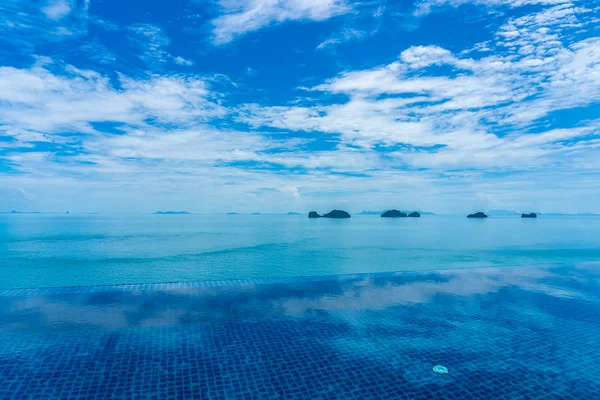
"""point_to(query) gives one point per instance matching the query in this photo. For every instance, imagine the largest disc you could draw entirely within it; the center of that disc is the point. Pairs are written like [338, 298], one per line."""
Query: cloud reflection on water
[294, 300]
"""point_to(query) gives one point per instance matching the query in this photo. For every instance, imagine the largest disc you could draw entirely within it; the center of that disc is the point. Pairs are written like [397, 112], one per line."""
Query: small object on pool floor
[440, 369]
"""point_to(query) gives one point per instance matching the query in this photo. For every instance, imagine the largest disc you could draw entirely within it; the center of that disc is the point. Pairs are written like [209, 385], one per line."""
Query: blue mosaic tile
[186, 285]
[505, 333]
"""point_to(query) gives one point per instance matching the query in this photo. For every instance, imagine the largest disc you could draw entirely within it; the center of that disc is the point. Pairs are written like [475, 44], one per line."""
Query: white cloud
[364, 22]
[200, 144]
[461, 105]
[153, 43]
[344, 36]
[182, 61]
[152, 40]
[240, 16]
[103, 23]
[57, 9]
[26, 194]
[94, 50]
[24, 25]
[292, 190]
[424, 56]
[37, 99]
[424, 7]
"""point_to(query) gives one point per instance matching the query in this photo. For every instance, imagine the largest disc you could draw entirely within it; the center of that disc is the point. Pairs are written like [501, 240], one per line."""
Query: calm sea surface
[64, 250]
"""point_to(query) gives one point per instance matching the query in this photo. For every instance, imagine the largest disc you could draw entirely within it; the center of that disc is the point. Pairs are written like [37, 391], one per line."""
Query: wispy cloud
[152, 41]
[363, 23]
[240, 17]
[182, 61]
[344, 36]
[57, 9]
[96, 51]
[24, 25]
[427, 6]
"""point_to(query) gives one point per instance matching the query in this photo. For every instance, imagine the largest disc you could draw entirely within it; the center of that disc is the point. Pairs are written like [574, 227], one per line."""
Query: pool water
[503, 333]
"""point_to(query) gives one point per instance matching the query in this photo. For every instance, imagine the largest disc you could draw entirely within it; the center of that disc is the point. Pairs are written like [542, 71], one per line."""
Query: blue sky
[276, 106]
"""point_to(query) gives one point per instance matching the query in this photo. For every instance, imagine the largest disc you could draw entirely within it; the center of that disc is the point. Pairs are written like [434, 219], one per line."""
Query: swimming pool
[503, 333]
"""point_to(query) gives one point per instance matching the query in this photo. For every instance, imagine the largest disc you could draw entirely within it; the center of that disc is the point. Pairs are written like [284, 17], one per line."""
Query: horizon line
[363, 212]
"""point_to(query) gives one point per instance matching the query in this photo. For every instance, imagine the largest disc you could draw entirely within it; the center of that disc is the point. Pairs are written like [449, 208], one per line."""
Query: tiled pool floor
[503, 333]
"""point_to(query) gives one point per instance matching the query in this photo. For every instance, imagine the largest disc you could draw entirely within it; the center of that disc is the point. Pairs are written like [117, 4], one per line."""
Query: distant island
[336, 214]
[530, 215]
[393, 214]
[414, 214]
[232, 213]
[172, 212]
[367, 212]
[255, 213]
[294, 213]
[477, 215]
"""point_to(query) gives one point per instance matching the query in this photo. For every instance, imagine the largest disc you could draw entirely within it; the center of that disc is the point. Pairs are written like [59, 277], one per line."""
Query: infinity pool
[503, 333]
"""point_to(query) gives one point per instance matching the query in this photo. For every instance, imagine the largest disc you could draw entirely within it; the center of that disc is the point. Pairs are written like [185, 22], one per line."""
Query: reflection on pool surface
[503, 333]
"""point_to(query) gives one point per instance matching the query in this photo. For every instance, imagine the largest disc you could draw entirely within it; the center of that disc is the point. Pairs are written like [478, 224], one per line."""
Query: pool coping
[200, 284]
[247, 281]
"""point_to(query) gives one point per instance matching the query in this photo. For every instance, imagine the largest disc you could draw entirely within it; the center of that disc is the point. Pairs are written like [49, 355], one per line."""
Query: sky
[449, 106]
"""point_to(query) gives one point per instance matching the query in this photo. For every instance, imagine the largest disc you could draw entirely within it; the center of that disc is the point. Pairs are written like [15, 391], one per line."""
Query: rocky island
[477, 215]
[393, 214]
[530, 215]
[332, 214]
[336, 214]
[414, 214]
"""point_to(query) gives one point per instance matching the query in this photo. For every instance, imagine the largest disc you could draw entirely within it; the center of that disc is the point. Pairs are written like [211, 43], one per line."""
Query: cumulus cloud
[292, 190]
[159, 138]
[449, 118]
[240, 17]
[41, 100]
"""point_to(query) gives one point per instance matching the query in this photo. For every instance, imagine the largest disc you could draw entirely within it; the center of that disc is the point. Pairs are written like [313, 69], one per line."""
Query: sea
[57, 250]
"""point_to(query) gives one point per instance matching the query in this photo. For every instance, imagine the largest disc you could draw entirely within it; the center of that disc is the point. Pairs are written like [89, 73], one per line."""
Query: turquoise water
[64, 250]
